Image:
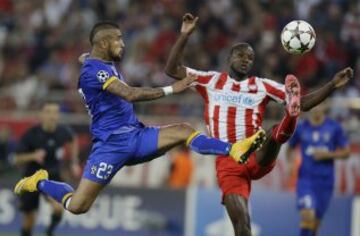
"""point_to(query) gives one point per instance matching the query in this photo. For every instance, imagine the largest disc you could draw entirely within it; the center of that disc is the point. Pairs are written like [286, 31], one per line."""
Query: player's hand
[188, 23]
[342, 77]
[76, 170]
[289, 171]
[39, 156]
[83, 57]
[183, 84]
[320, 155]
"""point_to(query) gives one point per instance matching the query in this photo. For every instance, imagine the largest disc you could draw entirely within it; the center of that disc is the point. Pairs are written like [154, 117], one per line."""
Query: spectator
[50, 42]
[7, 148]
[182, 168]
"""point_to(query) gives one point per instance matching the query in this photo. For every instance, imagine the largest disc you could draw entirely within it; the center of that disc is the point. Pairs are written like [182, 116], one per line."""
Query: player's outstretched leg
[284, 130]
[77, 202]
[173, 135]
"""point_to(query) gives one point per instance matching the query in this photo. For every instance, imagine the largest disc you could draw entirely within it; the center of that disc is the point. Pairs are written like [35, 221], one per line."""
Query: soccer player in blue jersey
[119, 138]
[322, 141]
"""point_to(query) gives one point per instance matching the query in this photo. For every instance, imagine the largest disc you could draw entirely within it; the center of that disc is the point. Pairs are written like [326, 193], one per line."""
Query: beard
[116, 57]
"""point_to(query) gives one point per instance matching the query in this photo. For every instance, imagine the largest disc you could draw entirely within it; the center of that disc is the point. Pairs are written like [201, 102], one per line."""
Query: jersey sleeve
[341, 139]
[274, 90]
[202, 77]
[295, 138]
[100, 76]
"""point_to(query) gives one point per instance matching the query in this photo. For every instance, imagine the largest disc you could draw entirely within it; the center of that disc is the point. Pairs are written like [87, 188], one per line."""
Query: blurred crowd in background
[40, 41]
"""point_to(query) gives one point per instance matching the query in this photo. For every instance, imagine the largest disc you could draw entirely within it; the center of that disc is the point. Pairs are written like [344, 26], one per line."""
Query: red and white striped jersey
[233, 109]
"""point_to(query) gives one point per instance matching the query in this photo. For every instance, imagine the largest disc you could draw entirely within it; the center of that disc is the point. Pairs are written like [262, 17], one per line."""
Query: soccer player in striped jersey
[234, 109]
[119, 138]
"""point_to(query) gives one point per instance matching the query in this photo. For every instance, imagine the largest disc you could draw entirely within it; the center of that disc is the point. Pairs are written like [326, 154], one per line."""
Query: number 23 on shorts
[103, 171]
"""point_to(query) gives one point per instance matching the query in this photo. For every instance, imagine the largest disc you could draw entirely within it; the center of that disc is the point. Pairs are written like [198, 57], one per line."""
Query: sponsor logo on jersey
[252, 87]
[237, 99]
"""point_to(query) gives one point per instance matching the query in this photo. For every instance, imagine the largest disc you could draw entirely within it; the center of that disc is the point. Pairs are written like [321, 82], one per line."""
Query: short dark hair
[239, 45]
[101, 26]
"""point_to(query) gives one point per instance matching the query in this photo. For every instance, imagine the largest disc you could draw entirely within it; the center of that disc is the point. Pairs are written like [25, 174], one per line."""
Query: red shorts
[236, 178]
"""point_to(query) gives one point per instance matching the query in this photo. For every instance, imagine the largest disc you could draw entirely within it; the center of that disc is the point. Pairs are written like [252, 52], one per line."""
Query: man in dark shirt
[7, 148]
[42, 147]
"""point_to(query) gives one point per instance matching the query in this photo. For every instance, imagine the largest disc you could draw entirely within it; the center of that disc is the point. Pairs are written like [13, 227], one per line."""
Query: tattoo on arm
[134, 94]
[145, 94]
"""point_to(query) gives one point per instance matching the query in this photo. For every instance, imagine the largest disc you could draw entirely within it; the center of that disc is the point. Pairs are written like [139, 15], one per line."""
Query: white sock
[67, 203]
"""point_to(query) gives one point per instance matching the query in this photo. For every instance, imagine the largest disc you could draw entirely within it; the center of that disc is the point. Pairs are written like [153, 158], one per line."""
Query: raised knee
[184, 130]
[79, 209]
[186, 127]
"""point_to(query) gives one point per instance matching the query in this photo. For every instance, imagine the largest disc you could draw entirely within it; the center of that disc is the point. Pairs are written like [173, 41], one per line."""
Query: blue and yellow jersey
[328, 137]
[109, 113]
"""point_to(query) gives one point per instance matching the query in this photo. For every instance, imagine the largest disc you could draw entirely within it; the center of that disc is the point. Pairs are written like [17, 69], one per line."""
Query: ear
[104, 43]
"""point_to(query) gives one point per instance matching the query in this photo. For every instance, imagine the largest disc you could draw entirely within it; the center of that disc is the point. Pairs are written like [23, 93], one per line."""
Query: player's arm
[74, 151]
[24, 153]
[75, 163]
[340, 79]
[24, 158]
[290, 151]
[174, 67]
[135, 94]
[290, 159]
[83, 57]
[340, 153]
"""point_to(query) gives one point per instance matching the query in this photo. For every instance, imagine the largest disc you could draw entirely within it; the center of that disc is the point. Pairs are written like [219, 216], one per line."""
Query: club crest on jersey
[315, 136]
[102, 76]
[252, 87]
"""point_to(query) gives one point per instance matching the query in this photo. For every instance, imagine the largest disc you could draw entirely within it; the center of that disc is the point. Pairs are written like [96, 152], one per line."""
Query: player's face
[242, 59]
[50, 114]
[319, 111]
[115, 45]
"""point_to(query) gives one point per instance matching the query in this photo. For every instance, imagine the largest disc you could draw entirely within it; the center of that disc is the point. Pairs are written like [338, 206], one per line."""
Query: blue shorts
[314, 194]
[131, 148]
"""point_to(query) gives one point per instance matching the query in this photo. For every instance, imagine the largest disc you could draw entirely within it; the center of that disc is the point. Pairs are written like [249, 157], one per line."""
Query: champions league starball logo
[102, 76]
